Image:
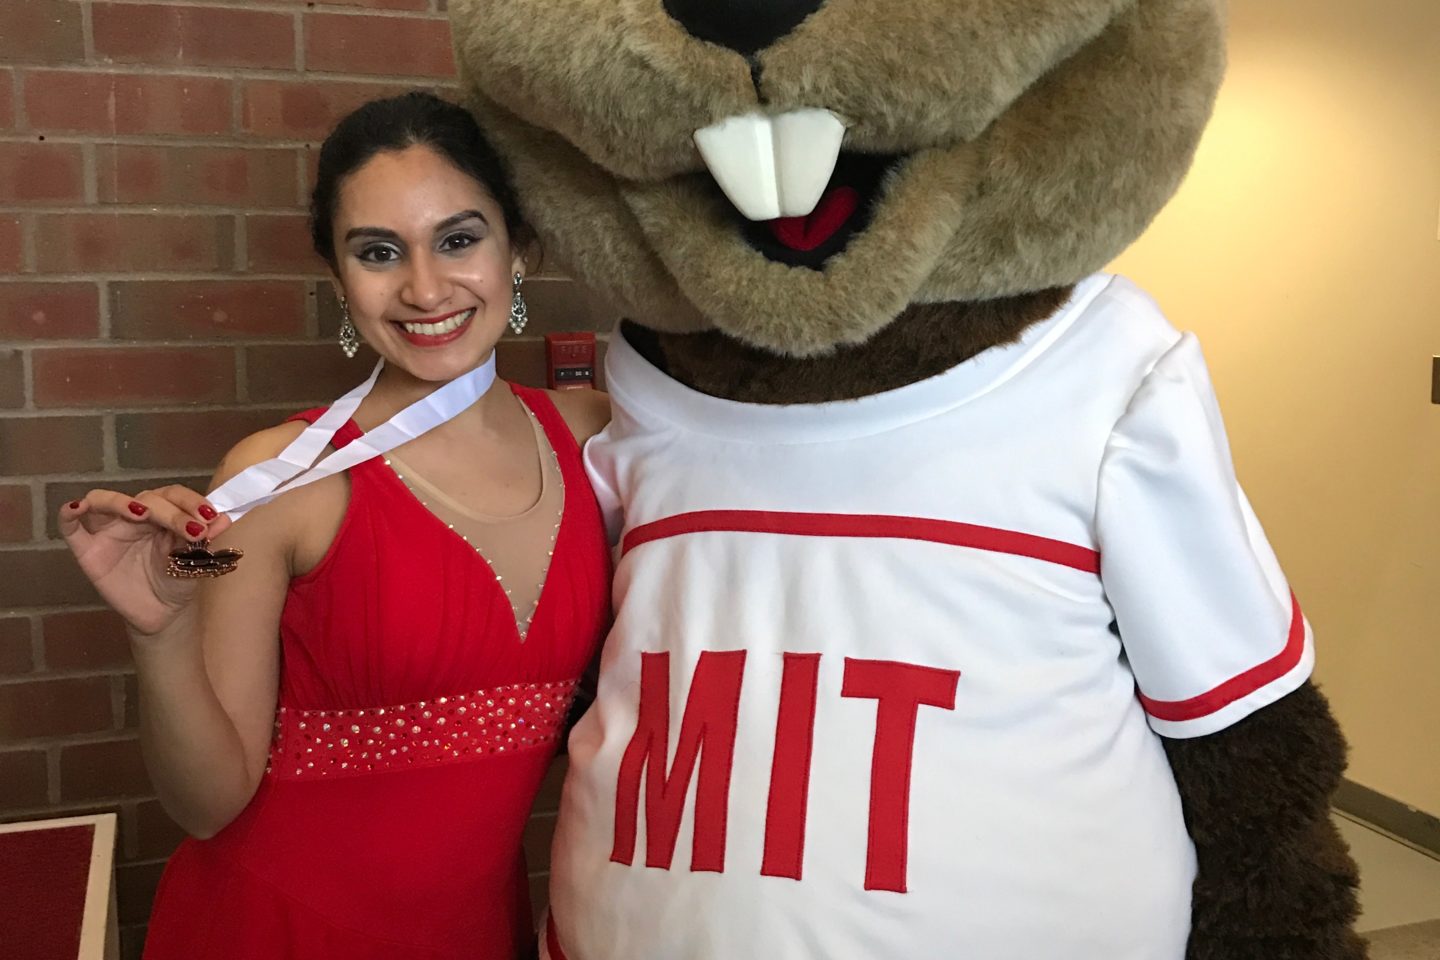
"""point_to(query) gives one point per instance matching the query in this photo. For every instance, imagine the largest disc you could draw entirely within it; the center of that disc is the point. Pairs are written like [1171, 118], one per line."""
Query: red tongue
[807, 233]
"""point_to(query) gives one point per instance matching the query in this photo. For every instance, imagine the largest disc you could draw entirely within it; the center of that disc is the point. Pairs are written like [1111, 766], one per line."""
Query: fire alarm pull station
[570, 360]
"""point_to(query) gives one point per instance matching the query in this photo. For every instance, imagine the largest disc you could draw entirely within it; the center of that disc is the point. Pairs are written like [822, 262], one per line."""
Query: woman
[354, 722]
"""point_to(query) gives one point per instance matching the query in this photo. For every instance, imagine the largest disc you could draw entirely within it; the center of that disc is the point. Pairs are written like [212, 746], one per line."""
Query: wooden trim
[99, 930]
[1411, 826]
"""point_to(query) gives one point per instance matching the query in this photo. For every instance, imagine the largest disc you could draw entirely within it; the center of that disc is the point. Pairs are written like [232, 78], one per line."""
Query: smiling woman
[354, 720]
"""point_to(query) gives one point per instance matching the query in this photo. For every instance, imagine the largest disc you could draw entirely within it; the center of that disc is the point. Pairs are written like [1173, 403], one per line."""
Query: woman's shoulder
[258, 447]
[585, 412]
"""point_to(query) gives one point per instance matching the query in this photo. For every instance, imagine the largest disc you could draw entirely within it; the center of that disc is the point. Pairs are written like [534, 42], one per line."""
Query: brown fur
[925, 340]
[1039, 140]
[1276, 879]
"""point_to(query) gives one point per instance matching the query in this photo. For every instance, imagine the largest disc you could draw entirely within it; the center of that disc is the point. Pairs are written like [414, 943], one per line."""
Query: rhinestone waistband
[505, 719]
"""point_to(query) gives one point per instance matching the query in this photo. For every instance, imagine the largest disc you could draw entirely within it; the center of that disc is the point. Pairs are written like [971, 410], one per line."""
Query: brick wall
[157, 301]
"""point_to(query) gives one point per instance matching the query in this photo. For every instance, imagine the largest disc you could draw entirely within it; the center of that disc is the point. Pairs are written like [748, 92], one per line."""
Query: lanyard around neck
[263, 482]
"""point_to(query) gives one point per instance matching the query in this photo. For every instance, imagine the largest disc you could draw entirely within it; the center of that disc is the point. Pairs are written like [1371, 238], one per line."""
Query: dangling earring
[519, 314]
[349, 336]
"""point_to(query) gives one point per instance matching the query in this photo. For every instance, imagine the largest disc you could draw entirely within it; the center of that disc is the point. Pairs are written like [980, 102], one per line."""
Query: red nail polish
[194, 529]
[139, 509]
[207, 511]
[74, 504]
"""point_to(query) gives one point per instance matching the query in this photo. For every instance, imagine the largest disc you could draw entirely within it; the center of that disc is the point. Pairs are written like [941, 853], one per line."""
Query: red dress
[413, 730]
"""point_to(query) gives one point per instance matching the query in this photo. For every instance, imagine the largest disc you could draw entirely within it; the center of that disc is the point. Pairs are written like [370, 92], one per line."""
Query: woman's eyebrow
[460, 217]
[380, 232]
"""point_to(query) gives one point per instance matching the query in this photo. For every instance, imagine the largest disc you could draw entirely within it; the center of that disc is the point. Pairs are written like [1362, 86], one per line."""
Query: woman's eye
[457, 241]
[379, 253]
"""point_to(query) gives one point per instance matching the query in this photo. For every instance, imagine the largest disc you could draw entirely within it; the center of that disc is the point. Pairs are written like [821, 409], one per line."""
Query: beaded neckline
[522, 624]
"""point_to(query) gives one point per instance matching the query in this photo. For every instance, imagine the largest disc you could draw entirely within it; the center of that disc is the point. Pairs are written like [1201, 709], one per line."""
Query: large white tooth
[807, 145]
[740, 153]
[773, 166]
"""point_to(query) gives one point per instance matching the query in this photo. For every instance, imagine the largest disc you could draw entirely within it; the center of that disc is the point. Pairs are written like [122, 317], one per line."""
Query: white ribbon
[263, 482]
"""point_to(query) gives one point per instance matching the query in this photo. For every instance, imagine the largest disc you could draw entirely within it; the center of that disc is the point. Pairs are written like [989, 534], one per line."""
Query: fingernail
[74, 504]
[139, 509]
[194, 529]
[207, 511]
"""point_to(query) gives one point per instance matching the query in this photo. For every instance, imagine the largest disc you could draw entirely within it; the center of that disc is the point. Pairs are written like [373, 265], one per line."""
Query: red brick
[42, 578]
[15, 655]
[12, 380]
[120, 377]
[280, 243]
[131, 695]
[55, 708]
[303, 374]
[95, 771]
[327, 310]
[205, 309]
[63, 491]
[156, 833]
[135, 886]
[7, 99]
[304, 109]
[86, 242]
[23, 772]
[181, 441]
[121, 103]
[351, 43]
[379, 4]
[11, 245]
[17, 524]
[31, 445]
[41, 173]
[221, 176]
[41, 31]
[49, 311]
[169, 35]
[85, 640]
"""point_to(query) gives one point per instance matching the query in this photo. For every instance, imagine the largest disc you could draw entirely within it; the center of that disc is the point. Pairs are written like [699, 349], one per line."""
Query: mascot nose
[745, 26]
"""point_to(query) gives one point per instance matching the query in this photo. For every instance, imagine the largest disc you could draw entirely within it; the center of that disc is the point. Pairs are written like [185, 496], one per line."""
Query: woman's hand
[123, 543]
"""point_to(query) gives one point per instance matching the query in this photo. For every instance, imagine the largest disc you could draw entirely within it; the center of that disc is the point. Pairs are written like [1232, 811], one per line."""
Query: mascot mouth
[798, 198]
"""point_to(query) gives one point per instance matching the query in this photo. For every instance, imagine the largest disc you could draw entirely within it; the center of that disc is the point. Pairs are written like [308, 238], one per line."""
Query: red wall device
[570, 360]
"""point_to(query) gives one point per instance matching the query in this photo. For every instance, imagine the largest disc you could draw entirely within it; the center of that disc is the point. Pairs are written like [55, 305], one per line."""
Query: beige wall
[1303, 250]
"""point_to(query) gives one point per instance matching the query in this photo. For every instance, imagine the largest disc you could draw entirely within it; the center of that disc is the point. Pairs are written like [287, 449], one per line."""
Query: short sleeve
[1208, 623]
[600, 467]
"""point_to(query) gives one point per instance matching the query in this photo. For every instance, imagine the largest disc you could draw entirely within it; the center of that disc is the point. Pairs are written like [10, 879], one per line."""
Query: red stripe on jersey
[1238, 687]
[552, 939]
[863, 525]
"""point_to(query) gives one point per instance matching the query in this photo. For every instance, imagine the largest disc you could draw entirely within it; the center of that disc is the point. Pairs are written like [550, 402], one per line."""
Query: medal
[259, 484]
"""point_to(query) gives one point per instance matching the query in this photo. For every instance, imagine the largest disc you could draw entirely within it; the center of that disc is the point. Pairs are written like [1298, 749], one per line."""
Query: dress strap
[557, 431]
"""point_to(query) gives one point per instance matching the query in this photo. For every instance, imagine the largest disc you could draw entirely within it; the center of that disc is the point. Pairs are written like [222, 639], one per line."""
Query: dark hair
[394, 123]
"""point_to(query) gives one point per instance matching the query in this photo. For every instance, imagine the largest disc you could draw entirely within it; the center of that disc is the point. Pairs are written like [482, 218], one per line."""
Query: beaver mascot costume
[943, 629]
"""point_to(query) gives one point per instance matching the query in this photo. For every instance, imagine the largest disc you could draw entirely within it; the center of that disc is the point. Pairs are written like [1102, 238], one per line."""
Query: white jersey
[887, 675]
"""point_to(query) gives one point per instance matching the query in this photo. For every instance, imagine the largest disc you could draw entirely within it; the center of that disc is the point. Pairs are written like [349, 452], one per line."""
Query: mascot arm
[1275, 880]
[1222, 656]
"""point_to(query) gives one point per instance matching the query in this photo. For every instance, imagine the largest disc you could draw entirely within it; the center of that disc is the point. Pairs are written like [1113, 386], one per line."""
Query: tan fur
[1043, 135]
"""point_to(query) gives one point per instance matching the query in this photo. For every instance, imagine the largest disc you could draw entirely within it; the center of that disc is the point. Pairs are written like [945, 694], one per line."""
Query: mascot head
[798, 173]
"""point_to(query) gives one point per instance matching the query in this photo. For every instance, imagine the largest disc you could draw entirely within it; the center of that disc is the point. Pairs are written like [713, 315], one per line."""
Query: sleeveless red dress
[413, 730]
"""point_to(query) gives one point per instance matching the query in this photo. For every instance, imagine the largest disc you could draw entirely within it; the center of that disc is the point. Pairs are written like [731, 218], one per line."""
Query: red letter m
[709, 722]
